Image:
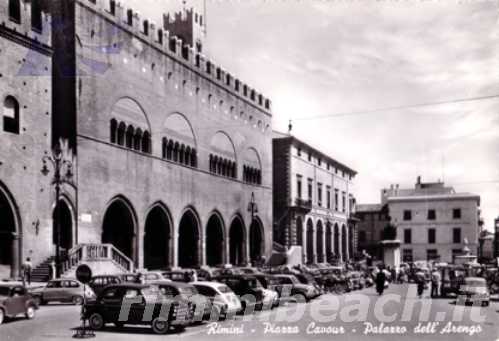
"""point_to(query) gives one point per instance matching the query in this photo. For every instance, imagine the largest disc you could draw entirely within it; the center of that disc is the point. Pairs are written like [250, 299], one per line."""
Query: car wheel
[2, 316]
[30, 312]
[77, 300]
[96, 321]
[160, 325]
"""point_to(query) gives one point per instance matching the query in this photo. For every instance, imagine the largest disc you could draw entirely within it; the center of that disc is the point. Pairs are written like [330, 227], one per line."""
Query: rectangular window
[309, 156]
[431, 236]
[407, 215]
[15, 11]
[328, 198]
[319, 161]
[336, 200]
[407, 236]
[407, 255]
[343, 202]
[456, 235]
[432, 215]
[319, 194]
[456, 213]
[432, 254]
[310, 190]
[298, 151]
[36, 16]
[298, 186]
[328, 166]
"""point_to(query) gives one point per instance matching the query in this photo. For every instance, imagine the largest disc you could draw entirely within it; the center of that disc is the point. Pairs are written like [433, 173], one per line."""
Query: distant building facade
[170, 150]
[313, 201]
[373, 218]
[433, 221]
[496, 237]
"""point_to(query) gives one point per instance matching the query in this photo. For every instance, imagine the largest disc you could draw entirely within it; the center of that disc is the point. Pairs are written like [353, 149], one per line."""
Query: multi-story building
[25, 132]
[172, 154]
[496, 237]
[373, 218]
[313, 201]
[433, 221]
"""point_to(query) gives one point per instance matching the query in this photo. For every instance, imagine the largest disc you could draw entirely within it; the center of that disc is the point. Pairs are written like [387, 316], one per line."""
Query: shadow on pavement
[129, 330]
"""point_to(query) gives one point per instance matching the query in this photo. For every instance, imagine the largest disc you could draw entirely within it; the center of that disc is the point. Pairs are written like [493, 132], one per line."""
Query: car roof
[173, 284]
[129, 285]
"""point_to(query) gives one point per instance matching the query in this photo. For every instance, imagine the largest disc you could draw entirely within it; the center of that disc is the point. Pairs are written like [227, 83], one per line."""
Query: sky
[338, 68]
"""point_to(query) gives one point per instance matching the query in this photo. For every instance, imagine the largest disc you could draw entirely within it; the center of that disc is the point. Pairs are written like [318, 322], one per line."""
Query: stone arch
[329, 242]
[178, 128]
[223, 149]
[320, 241]
[120, 225]
[237, 241]
[344, 245]
[336, 241]
[299, 232]
[215, 240]
[310, 241]
[67, 224]
[256, 241]
[158, 238]
[10, 234]
[189, 239]
[128, 110]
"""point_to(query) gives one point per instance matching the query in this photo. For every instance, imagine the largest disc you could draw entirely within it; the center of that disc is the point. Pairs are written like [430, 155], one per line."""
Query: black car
[247, 287]
[289, 287]
[122, 304]
[98, 283]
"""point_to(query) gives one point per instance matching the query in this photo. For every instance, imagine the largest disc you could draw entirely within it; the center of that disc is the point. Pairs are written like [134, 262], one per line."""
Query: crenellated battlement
[27, 19]
[146, 30]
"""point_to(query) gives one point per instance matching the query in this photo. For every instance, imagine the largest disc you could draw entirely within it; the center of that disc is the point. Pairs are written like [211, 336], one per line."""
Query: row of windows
[328, 165]
[432, 239]
[223, 166]
[179, 152]
[252, 175]
[130, 137]
[431, 254]
[299, 194]
[36, 13]
[11, 117]
[432, 214]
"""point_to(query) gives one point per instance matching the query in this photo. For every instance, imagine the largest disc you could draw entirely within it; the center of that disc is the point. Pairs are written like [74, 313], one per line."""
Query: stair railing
[96, 252]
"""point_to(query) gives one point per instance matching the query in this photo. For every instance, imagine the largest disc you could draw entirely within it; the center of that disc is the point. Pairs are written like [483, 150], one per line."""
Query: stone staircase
[42, 272]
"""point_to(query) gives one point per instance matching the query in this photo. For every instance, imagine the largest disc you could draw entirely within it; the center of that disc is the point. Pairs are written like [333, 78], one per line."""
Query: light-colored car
[222, 297]
[152, 276]
[474, 291]
[62, 290]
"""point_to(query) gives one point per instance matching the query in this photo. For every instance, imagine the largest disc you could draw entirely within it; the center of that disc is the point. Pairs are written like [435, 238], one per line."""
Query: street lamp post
[253, 209]
[63, 174]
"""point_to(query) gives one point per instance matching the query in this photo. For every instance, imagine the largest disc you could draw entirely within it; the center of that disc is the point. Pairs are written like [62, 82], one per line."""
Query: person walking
[421, 282]
[436, 280]
[27, 269]
[380, 281]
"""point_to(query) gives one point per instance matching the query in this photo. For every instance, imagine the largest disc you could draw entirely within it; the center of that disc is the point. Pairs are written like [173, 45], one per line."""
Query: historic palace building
[313, 201]
[433, 221]
[171, 154]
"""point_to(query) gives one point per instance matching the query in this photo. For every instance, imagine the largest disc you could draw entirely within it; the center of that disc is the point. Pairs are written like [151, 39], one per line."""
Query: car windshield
[224, 289]
[4, 291]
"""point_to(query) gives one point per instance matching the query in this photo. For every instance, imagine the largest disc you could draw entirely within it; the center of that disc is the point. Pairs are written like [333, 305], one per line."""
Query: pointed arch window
[146, 142]
[11, 115]
[113, 130]
[137, 143]
[130, 132]
[121, 134]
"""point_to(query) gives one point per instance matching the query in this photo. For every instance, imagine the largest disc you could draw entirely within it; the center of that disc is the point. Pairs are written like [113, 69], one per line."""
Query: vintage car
[357, 280]
[247, 287]
[201, 305]
[452, 279]
[64, 291]
[15, 300]
[163, 312]
[289, 288]
[224, 300]
[474, 291]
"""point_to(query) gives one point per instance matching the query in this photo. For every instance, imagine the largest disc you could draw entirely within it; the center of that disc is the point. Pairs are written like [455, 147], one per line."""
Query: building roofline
[455, 196]
[295, 140]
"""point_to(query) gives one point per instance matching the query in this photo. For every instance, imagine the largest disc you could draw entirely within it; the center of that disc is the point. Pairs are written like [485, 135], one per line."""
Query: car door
[110, 301]
[52, 291]
[15, 302]
[137, 302]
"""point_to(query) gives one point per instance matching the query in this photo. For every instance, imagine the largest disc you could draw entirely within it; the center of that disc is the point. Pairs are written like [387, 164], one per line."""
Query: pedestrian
[27, 268]
[194, 276]
[380, 281]
[436, 279]
[421, 282]
[393, 273]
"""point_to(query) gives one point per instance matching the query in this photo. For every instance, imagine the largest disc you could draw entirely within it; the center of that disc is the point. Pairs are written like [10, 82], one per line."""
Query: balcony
[302, 205]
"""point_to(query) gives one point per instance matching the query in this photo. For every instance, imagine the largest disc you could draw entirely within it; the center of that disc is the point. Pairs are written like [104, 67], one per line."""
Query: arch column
[16, 256]
[227, 247]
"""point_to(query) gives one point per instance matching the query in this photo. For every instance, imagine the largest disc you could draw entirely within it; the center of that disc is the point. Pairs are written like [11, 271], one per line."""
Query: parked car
[305, 278]
[474, 290]
[201, 305]
[107, 308]
[224, 300]
[247, 287]
[15, 300]
[152, 276]
[62, 290]
[185, 275]
[271, 295]
[128, 277]
[98, 283]
[357, 280]
[290, 287]
[452, 279]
